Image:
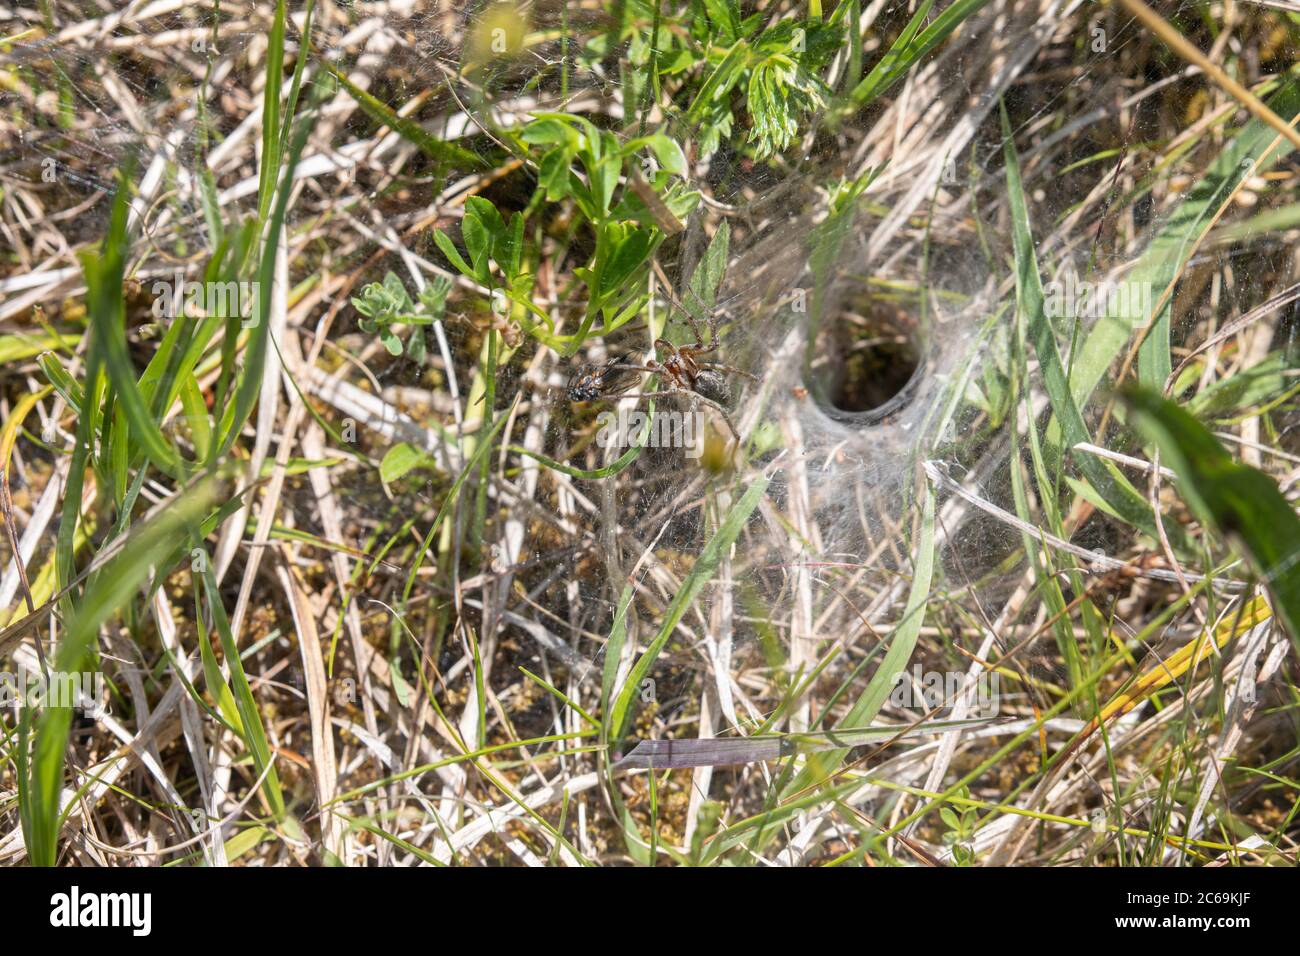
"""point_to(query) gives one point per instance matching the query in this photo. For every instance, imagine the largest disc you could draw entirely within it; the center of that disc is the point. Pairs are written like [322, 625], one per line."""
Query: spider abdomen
[713, 386]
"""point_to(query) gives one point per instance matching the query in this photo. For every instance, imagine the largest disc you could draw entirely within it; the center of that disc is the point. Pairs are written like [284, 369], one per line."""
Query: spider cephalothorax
[685, 372]
[679, 367]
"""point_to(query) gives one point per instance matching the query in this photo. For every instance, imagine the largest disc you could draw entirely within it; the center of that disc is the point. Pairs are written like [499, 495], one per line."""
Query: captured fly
[590, 383]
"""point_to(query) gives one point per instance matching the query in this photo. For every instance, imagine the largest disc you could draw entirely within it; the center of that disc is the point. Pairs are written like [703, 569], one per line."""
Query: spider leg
[696, 396]
[641, 368]
[691, 318]
[699, 348]
[663, 394]
[694, 323]
[688, 314]
[728, 368]
[712, 316]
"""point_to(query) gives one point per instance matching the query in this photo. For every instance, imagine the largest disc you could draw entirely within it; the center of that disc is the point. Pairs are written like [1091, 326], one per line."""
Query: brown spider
[679, 367]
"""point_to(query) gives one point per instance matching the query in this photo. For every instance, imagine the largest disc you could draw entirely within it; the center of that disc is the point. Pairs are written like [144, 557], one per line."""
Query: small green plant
[627, 232]
[991, 388]
[961, 830]
[489, 238]
[578, 162]
[384, 305]
[777, 67]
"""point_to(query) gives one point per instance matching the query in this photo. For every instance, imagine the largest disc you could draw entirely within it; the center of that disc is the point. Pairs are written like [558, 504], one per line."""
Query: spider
[679, 366]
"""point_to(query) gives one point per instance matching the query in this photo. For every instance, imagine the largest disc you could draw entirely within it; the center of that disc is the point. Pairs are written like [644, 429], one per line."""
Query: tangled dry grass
[409, 610]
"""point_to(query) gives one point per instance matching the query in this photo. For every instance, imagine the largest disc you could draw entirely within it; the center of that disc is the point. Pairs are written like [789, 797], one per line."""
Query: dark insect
[593, 382]
[680, 368]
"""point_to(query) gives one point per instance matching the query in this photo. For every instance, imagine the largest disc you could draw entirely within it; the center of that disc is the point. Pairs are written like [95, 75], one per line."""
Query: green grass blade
[619, 717]
[614, 648]
[104, 283]
[271, 141]
[1123, 499]
[411, 131]
[909, 48]
[1244, 155]
[109, 590]
[250, 719]
[595, 474]
[1234, 498]
[250, 383]
[901, 645]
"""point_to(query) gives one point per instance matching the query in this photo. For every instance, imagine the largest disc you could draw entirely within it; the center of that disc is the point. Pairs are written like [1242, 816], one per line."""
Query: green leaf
[628, 256]
[719, 83]
[553, 174]
[666, 150]
[725, 16]
[508, 246]
[443, 152]
[434, 296]
[400, 459]
[476, 230]
[1239, 501]
[604, 180]
[416, 350]
[911, 45]
[245, 840]
[707, 278]
[548, 131]
[1113, 487]
[388, 338]
[453, 254]
[63, 383]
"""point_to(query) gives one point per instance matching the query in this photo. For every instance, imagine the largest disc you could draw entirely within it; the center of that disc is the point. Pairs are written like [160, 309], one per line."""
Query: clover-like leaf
[400, 459]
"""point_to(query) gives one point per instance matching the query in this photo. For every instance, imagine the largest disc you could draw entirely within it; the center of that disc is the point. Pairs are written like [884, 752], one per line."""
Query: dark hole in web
[865, 364]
